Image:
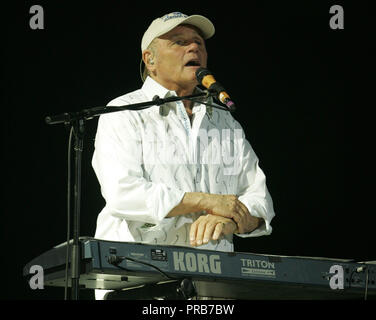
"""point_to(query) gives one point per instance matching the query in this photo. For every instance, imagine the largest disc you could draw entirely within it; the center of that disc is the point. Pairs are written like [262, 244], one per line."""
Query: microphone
[205, 78]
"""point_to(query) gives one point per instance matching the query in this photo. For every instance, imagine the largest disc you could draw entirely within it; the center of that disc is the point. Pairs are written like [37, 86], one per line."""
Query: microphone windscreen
[201, 73]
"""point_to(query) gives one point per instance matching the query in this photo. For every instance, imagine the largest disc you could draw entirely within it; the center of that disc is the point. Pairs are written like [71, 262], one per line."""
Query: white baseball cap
[169, 21]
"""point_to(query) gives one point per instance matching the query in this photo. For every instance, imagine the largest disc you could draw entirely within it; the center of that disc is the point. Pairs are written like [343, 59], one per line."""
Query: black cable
[358, 270]
[211, 105]
[153, 266]
[366, 289]
[68, 212]
[118, 258]
[114, 260]
[351, 275]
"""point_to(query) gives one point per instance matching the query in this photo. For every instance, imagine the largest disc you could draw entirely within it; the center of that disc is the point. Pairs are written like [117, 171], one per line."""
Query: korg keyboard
[124, 265]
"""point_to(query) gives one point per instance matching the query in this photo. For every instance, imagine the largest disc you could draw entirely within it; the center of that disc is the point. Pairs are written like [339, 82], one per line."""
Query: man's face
[180, 52]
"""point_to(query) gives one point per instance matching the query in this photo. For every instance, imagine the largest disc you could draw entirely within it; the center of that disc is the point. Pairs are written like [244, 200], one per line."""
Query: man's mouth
[193, 63]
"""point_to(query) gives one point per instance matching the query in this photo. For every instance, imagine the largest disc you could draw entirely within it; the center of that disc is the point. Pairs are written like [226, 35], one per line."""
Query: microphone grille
[201, 73]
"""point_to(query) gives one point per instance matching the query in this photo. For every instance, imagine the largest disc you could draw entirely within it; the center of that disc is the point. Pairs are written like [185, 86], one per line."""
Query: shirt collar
[152, 88]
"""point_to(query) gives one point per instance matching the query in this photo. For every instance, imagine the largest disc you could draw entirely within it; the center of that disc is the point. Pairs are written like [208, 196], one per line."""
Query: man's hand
[229, 206]
[210, 227]
[226, 206]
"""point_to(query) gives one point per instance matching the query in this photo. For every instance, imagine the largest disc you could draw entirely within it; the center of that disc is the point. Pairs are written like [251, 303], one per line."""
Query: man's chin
[191, 71]
[190, 76]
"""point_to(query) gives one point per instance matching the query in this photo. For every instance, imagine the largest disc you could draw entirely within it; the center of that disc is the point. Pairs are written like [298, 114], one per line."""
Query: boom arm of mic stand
[212, 105]
[86, 114]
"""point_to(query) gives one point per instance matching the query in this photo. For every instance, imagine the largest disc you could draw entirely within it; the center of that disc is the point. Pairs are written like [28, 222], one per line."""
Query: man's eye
[183, 42]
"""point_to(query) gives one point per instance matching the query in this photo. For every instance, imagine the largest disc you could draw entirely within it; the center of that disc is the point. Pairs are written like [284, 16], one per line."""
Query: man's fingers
[218, 230]
[242, 213]
[209, 229]
[202, 231]
[192, 233]
[236, 216]
[197, 230]
[242, 209]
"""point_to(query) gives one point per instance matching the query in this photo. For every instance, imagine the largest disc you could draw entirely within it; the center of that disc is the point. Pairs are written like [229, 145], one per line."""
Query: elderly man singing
[181, 173]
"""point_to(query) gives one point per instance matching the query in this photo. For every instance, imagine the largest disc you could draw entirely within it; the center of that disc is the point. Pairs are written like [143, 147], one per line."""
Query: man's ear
[148, 58]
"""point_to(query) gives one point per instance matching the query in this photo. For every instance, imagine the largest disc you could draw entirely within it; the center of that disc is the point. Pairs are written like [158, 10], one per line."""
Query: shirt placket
[197, 124]
[192, 134]
[183, 117]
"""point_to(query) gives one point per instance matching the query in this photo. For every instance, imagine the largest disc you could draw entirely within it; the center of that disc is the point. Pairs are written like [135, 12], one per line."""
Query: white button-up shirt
[146, 160]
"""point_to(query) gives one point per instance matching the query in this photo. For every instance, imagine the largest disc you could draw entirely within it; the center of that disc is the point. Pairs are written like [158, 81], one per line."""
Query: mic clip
[209, 93]
[229, 105]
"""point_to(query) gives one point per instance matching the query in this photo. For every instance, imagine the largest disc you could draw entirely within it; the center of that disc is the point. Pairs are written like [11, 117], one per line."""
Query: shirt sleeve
[118, 164]
[253, 192]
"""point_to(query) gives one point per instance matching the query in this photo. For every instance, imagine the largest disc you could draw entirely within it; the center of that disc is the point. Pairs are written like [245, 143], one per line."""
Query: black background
[291, 76]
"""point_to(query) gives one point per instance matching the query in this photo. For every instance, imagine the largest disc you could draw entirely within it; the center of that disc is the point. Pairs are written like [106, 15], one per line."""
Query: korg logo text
[198, 262]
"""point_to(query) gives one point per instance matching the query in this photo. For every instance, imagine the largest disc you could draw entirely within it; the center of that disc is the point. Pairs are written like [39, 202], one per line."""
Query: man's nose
[193, 47]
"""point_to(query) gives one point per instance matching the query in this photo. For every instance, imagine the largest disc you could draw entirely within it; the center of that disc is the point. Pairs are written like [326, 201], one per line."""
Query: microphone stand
[77, 122]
